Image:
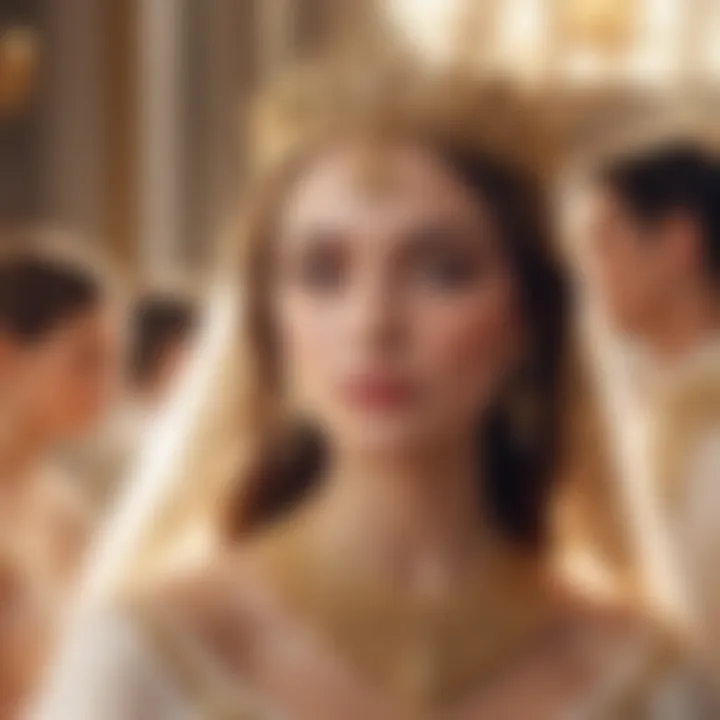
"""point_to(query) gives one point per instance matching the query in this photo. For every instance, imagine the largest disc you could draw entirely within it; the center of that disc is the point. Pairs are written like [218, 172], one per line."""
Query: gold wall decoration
[606, 25]
[19, 66]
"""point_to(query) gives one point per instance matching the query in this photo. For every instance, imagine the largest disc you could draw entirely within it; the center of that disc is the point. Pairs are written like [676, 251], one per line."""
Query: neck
[690, 321]
[415, 516]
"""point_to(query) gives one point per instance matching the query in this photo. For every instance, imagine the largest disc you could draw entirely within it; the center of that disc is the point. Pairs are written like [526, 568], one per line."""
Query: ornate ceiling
[569, 42]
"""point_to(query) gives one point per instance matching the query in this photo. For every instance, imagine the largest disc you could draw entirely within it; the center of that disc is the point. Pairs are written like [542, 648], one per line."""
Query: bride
[383, 547]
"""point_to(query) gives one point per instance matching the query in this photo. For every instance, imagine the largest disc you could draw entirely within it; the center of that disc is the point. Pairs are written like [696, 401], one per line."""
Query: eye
[443, 258]
[447, 270]
[320, 269]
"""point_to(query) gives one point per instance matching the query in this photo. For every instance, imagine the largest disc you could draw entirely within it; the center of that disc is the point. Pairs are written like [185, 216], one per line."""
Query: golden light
[607, 25]
[579, 41]
[19, 65]
[427, 26]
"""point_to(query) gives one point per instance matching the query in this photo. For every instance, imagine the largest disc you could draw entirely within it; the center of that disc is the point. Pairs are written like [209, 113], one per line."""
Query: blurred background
[121, 123]
[121, 120]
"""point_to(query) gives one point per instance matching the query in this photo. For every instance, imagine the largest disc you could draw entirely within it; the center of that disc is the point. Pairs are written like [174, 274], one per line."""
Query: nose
[376, 316]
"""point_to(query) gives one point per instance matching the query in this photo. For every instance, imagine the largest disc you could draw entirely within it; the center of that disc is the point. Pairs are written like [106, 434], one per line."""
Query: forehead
[88, 325]
[605, 201]
[377, 187]
[593, 207]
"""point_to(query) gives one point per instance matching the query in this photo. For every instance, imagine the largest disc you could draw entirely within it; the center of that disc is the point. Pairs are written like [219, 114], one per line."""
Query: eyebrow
[329, 230]
[424, 234]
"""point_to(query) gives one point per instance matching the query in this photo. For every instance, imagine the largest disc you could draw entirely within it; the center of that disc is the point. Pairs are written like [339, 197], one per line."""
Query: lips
[377, 392]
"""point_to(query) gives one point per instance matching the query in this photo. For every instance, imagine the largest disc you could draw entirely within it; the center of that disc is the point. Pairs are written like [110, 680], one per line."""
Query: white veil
[184, 462]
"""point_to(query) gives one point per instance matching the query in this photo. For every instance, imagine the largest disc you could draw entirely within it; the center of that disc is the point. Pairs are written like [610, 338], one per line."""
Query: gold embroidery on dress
[428, 654]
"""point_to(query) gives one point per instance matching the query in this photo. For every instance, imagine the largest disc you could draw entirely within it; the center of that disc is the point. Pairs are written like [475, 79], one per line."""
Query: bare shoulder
[608, 617]
[645, 667]
[621, 638]
[226, 605]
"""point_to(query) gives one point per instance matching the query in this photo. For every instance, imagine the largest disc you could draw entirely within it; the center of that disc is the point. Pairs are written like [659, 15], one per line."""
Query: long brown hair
[519, 437]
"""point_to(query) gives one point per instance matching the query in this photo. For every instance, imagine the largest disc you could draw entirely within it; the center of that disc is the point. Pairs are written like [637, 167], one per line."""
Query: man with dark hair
[653, 255]
[656, 245]
[162, 327]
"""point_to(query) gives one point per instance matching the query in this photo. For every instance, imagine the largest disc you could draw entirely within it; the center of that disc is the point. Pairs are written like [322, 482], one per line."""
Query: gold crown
[317, 102]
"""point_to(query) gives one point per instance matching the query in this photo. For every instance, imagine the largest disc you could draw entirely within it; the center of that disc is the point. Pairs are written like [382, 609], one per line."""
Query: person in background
[653, 222]
[162, 330]
[57, 364]
[656, 247]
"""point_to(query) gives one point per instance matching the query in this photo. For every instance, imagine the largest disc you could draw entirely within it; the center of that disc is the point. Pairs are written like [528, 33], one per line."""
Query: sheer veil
[164, 511]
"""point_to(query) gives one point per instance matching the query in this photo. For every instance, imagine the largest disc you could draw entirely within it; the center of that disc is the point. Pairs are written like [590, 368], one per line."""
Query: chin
[389, 435]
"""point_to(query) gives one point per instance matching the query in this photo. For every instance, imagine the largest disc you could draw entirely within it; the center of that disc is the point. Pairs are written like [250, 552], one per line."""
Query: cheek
[310, 342]
[615, 265]
[621, 259]
[37, 386]
[83, 391]
[470, 344]
[626, 276]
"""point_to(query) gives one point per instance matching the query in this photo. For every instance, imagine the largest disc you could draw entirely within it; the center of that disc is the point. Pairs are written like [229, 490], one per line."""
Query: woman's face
[62, 383]
[395, 308]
